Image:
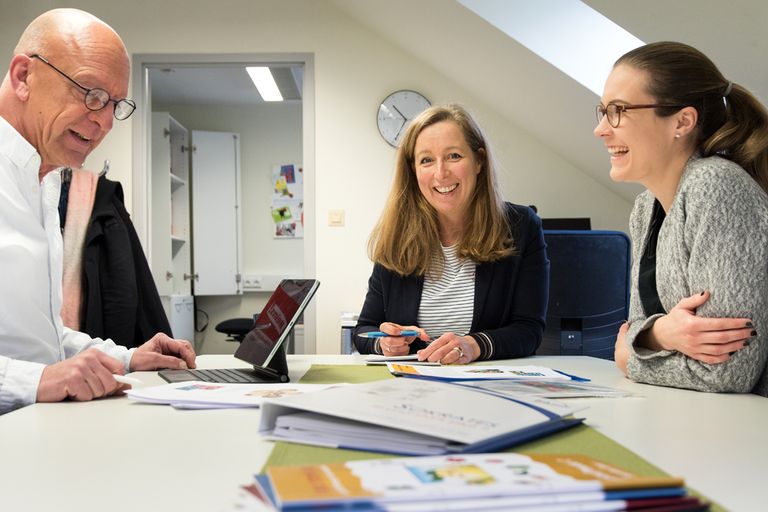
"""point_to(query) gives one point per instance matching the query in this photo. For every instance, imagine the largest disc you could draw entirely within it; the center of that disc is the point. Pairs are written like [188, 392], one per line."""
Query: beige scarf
[82, 192]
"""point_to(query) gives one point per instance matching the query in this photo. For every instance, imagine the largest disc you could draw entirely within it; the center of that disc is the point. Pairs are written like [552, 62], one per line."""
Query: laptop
[263, 345]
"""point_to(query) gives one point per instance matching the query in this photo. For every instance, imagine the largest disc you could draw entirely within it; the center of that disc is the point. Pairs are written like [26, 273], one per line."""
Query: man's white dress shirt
[32, 334]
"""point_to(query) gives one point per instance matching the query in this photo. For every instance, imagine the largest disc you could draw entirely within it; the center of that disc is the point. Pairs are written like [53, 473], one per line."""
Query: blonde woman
[452, 261]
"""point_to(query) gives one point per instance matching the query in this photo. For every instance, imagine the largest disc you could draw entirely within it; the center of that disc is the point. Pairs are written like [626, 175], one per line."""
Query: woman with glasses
[455, 264]
[699, 144]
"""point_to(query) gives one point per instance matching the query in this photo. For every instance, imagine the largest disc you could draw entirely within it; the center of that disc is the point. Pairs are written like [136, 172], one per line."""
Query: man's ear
[18, 73]
[687, 118]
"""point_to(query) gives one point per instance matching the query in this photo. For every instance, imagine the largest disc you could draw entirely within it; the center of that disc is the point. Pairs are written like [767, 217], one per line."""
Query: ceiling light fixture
[265, 83]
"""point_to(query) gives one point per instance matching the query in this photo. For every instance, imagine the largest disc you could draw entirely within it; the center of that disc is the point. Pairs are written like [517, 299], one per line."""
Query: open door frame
[142, 148]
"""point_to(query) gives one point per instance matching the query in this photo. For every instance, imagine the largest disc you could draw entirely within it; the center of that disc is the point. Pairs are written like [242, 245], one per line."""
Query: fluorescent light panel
[569, 34]
[265, 83]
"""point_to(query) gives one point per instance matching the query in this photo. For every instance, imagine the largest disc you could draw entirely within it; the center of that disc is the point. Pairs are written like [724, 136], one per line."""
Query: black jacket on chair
[510, 304]
[120, 299]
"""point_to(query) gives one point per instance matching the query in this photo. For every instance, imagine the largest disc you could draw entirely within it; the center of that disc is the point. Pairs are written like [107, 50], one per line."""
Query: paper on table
[544, 388]
[208, 395]
[478, 372]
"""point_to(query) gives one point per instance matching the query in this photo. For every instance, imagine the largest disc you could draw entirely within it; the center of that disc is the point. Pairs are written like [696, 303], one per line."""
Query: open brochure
[207, 395]
[480, 372]
[412, 417]
[544, 388]
[499, 481]
[376, 359]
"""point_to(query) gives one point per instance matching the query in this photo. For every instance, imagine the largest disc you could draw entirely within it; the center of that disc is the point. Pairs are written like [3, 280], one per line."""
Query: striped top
[447, 302]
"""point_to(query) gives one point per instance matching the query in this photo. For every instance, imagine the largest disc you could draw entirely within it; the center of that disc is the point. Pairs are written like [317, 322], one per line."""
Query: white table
[117, 455]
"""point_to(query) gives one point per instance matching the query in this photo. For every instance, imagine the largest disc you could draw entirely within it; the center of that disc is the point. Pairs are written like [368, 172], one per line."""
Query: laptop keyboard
[224, 375]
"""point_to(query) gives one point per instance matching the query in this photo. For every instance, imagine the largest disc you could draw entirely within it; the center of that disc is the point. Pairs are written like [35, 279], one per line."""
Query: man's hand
[163, 352]
[86, 376]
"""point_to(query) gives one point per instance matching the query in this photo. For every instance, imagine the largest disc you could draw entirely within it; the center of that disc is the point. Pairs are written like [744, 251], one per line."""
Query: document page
[202, 395]
[478, 372]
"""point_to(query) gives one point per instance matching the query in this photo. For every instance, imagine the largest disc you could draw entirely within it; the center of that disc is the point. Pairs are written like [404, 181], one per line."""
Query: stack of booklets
[479, 482]
[413, 417]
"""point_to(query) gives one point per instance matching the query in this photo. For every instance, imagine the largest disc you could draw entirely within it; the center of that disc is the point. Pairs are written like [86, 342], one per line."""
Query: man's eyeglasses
[96, 99]
[613, 111]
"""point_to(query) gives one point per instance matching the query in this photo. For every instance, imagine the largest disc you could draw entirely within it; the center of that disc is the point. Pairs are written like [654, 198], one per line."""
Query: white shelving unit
[170, 248]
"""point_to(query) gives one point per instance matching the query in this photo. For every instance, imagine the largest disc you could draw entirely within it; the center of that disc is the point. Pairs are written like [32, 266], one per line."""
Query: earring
[677, 135]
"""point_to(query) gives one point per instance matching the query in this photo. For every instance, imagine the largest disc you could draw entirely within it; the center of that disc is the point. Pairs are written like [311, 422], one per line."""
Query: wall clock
[396, 111]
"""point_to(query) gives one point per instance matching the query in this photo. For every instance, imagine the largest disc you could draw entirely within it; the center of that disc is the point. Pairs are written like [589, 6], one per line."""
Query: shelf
[176, 182]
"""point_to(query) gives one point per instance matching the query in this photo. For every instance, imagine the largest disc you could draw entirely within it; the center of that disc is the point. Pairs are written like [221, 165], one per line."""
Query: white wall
[270, 134]
[354, 70]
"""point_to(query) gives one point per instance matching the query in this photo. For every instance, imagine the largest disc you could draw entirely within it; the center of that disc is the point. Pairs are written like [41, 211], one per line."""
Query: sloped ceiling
[533, 94]
[733, 34]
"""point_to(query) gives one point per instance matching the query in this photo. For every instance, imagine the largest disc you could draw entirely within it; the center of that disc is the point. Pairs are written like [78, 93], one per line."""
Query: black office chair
[236, 328]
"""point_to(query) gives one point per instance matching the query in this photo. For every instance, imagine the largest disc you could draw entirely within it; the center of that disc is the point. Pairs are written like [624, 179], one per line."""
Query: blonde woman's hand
[710, 340]
[397, 345]
[451, 349]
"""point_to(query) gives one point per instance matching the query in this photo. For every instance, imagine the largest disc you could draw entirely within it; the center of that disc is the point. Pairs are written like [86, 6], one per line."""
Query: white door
[215, 213]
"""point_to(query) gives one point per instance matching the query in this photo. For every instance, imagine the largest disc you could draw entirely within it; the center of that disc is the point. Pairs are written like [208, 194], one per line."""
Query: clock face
[396, 111]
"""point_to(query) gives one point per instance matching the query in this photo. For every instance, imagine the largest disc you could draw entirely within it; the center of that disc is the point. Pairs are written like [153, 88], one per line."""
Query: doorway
[206, 92]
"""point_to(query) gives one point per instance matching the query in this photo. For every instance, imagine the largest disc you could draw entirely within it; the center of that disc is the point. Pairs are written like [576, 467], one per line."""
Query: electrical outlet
[252, 282]
[335, 217]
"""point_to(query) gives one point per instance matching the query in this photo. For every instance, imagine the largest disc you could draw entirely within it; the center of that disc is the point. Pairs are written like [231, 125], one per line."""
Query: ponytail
[743, 138]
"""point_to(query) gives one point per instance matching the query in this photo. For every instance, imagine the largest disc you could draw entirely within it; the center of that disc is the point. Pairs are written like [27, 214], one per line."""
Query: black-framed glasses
[96, 99]
[613, 111]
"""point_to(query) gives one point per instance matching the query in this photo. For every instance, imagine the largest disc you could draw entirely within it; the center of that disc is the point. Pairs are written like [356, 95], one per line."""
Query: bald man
[65, 86]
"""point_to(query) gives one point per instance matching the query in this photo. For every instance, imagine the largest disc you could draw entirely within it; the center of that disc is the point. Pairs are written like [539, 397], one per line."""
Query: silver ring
[461, 352]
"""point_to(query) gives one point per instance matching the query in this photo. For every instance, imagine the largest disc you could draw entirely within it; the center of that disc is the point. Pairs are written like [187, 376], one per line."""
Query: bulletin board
[288, 201]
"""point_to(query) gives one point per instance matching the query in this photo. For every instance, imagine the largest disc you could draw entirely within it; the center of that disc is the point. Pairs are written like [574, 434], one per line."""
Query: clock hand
[398, 111]
[400, 129]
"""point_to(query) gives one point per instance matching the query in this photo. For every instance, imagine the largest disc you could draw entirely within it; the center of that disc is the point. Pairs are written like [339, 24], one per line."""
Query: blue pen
[379, 334]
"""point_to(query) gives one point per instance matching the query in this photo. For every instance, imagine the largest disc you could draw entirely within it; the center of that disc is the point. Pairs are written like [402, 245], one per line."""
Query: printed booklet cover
[503, 481]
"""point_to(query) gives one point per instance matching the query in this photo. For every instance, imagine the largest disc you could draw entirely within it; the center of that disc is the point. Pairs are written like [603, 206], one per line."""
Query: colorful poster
[288, 201]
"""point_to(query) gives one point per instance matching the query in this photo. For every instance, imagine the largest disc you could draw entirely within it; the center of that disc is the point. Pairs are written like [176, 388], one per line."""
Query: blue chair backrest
[588, 291]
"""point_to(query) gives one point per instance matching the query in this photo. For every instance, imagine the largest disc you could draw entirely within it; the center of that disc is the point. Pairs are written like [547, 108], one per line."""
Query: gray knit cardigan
[715, 238]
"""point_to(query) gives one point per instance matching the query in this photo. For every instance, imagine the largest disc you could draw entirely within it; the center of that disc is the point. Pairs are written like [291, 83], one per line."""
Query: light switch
[335, 217]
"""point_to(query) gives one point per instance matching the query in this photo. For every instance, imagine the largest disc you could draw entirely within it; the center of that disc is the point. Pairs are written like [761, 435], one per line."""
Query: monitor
[566, 223]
